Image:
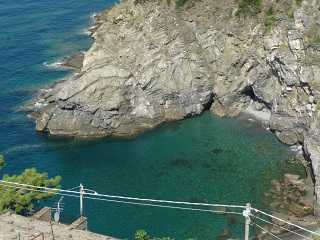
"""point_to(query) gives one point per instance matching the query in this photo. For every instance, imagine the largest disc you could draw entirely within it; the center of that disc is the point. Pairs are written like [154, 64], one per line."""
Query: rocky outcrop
[134, 77]
[152, 62]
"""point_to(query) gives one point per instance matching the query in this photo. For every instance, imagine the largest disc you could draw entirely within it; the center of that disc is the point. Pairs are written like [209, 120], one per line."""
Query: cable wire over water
[266, 231]
[128, 198]
[125, 202]
[286, 222]
[283, 228]
[93, 195]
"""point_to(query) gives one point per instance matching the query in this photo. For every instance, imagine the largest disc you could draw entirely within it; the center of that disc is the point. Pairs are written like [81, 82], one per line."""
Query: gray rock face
[152, 63]
[312, 150]
[134, 77]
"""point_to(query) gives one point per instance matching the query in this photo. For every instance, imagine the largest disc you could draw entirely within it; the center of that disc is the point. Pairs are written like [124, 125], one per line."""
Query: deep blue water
[205, 159]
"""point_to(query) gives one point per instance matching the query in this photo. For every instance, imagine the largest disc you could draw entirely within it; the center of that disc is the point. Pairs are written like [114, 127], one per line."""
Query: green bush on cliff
[143, 235]
[180, 3]
[270, 20]
[313, 35]
[21, 200]
[249, 7]
[2, 163]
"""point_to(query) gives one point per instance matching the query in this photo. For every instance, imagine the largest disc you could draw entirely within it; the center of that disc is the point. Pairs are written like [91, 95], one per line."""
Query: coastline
[76, 61]
[261, 116]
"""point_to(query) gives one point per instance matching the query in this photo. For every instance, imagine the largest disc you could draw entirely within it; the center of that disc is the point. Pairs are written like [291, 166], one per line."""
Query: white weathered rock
[306, 74]
[312, 149]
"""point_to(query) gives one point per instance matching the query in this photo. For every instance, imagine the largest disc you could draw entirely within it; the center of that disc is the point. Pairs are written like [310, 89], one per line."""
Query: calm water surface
[204, 159]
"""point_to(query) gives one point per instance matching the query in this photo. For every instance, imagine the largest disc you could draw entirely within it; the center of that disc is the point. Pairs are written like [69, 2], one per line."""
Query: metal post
[53, 238]
[60, 200]
[81, 199]
[246, 213]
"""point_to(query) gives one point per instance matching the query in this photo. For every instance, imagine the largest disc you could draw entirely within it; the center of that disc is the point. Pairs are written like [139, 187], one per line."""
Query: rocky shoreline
[151, 63]
[73, 62]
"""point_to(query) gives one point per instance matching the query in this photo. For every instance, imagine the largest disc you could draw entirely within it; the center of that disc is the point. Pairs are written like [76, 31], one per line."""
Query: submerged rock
[290, 196]
[287, 137]
[225, 235]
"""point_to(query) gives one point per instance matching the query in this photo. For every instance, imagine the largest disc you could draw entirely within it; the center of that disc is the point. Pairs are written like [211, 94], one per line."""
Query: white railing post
[246, 213]
[81, 199]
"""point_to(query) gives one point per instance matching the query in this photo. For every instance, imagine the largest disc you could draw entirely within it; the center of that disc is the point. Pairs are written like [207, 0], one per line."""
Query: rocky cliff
[158, 60]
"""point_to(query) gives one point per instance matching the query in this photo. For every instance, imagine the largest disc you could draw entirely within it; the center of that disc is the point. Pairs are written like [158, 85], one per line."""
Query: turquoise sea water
[204, 159]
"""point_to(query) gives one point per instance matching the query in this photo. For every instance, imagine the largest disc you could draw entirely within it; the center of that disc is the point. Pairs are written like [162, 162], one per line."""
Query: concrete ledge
[80, 224]
[43, 214]
[15, 227]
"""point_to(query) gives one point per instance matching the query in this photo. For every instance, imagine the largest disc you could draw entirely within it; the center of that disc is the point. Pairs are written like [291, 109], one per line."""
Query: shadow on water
[182, 163]
[216, 151]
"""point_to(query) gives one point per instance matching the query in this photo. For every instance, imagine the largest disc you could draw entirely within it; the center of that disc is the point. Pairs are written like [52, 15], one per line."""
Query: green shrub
[181, 3]
[21, 200]
[313, 35]
[270, 11]
[249, 7]
[2, 163]
[270, 19]
[143, 235]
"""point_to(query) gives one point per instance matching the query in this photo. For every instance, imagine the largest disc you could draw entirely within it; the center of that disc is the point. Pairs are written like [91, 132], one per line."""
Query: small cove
[203, 159]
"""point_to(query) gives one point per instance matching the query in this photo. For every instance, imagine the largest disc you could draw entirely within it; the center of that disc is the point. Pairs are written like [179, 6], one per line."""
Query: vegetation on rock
[268, 12]
[143, 235]
[2, 163]
[270, 19]
[22, 200]
[313, 35]
[249, 7]
[180, 3]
